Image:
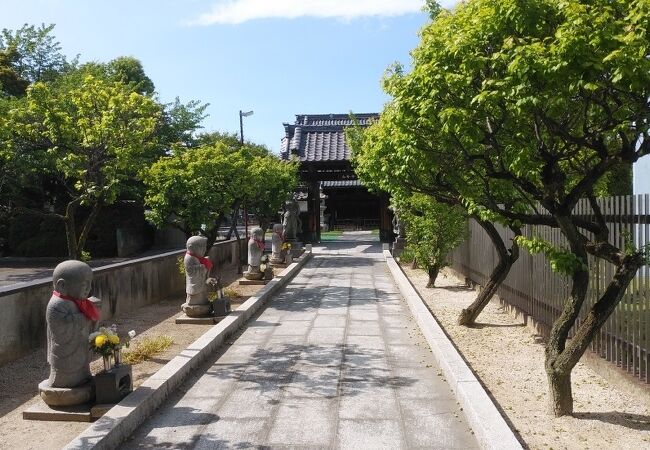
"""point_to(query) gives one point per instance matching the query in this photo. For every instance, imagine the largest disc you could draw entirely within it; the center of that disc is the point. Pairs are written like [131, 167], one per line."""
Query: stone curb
[122, 420]
[490, 428]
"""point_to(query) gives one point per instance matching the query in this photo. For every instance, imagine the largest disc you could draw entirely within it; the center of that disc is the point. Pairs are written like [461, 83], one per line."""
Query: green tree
[129, 70]
[11, 82]
[545, 98]
[36, 52]
[180, 121]
[432, 7]
[275, 180]
[432, 231]
[195, 189]
[92, 136]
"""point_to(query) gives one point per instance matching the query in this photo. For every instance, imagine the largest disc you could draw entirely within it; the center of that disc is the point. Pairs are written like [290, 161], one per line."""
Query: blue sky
[276, 57]
[276, 66]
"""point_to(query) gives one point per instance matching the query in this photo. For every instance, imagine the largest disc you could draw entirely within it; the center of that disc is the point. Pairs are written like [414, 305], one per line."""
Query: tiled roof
[337, 120]
[320, 137]
[341, 184]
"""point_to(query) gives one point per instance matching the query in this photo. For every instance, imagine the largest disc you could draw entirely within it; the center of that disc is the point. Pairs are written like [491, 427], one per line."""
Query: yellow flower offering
[100, 340]
[114, 339]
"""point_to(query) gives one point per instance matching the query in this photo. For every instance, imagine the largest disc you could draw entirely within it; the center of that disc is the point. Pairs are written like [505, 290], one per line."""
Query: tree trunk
[212, 233]
[560, 363]
[211, 239]
[233, 225]
[71, 230]
[507, 258]
[558, 366]
[433, 274]
[561, 397]
[90, 222]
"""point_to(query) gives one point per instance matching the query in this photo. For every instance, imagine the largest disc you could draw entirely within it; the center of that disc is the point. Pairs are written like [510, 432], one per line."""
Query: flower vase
[117, 356]
[107, 362]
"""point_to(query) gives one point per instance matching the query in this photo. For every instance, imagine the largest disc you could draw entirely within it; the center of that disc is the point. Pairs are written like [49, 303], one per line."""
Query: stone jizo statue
[71, 317]
[255, 251]
[197, 270]
[276, 244]
[398, 225]
[291, 222]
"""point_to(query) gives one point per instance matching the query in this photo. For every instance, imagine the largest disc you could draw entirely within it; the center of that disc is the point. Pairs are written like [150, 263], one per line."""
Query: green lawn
[330, 235]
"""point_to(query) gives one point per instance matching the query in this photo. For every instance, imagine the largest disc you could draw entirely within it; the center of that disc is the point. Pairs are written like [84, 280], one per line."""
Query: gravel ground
[508, 357]
[19, 379]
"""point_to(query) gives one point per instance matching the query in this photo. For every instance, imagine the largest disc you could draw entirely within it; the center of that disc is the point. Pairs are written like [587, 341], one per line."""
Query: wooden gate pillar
[385, 219]
[313, 213]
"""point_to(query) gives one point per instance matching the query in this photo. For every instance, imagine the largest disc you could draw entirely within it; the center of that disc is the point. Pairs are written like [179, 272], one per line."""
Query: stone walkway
[334, 361]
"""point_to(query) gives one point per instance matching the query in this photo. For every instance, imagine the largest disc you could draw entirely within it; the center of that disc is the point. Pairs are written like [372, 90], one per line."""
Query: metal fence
[533, 288]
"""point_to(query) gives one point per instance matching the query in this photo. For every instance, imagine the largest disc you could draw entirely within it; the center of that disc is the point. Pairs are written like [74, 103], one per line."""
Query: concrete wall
[122, 287]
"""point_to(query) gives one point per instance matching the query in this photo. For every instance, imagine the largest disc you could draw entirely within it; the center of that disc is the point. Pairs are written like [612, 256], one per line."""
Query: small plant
[180, 264]
[147, 348]
[232, 293]
[85, 256]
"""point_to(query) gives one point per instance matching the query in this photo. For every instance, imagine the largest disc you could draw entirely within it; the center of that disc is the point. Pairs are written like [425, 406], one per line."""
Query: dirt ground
[508, 357]
[19, 379]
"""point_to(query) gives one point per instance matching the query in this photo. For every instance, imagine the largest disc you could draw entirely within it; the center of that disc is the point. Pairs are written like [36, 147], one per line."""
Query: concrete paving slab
[355, 344]
[322, 355]
[239, 354]
[245, 403]
[370, 435]
[292, 328]
[329, 321]
[421, 384]
[334, 311]
[364, 327]
[399, 335]
[320, 384]
[326, 336]
[304, 421]
[228, 433]
[370, 360]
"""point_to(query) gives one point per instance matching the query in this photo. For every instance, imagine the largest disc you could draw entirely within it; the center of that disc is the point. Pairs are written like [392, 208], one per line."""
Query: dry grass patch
[232, 293]
[146, 349]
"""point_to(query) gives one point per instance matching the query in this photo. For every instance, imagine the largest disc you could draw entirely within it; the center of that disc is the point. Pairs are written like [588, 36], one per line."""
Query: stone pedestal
[253, 282]
[206, 320]
[42, 411]
[398, 246]
[253, 273]
[197, 310]
[113, 385]
[77, 395]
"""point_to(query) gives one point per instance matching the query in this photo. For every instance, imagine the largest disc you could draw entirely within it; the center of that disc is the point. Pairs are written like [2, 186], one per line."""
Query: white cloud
[239, 11]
